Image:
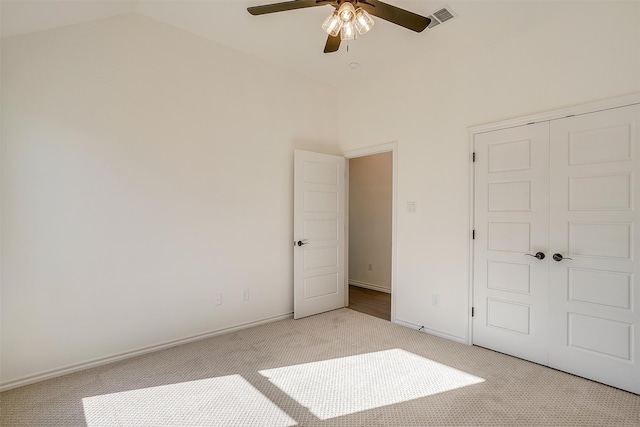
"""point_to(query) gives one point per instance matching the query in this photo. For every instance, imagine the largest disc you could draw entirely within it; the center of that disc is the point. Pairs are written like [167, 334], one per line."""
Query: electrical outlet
[370, 267]
[435, 299]
[218, 299]
[412, 207]
[245, 295]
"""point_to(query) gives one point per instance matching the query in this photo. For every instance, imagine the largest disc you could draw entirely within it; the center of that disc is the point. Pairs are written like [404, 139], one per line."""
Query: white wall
[144, 170]
[370, 196]
[555, 55]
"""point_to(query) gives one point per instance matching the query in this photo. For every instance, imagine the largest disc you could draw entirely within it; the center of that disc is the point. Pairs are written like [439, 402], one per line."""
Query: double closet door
[557, 232]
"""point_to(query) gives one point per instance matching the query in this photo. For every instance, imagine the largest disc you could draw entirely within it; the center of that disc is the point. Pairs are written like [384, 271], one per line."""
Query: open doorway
[370, 237]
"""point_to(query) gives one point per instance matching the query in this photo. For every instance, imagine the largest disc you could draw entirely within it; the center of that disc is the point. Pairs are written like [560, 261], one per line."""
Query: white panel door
[319, 215]
[595, 295]
[511, 223]
[568, 188]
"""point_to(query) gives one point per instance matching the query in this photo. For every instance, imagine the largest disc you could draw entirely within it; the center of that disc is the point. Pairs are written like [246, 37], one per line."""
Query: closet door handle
[539, 255]
[559, 257]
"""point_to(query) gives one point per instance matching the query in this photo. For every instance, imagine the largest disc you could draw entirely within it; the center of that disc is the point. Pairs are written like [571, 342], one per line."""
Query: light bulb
[346, 12]
[332, 24]
[363, 22]
[348, 31]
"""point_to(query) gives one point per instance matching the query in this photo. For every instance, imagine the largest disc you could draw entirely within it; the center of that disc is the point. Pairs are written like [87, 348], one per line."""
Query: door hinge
[474, 157]
[473, 309]
[473, 234]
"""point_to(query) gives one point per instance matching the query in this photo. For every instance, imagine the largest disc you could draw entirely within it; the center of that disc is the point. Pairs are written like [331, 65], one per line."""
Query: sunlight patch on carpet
[228, 401]
[337, 387]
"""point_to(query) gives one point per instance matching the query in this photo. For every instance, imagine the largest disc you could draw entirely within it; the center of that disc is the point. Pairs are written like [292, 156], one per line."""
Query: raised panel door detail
[511, 215]
[322, 285]
[603, 240]
[320, 173]
[593, 298]
[606, 288]
[320, 257]
[509, 196]
[509, 236]
[320, 201]
[318, 219]
[508, 315]
[510, 156]
[507, 276]
[600, 145]
[580, 314]
[592, 193]
[598, 335]
[321, 229]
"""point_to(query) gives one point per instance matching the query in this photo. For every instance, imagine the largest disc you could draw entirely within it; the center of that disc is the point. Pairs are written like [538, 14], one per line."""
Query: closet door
[594, 297]
[511, 226]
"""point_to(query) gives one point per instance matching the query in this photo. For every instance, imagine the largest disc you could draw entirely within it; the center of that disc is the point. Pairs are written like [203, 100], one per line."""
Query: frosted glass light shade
[346, 12]
[363, 21]
[348, 31]
[332, 24]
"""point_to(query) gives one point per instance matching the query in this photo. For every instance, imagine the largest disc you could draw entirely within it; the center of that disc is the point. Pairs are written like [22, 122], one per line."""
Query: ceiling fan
[350, 17]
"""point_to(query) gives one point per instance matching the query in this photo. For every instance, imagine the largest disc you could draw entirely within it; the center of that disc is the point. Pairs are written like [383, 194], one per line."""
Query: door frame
[391, 147]
[592, 107]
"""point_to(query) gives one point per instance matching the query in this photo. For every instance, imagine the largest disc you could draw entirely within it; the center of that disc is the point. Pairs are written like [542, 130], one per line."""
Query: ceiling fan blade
[333, 44]
[394, 14]
[287, 5]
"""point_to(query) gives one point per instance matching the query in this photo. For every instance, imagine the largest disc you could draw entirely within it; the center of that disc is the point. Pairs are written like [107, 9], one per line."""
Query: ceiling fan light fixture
[363, 21]
[351, 18]
[348, 31]
[332, 24]
[346, 12]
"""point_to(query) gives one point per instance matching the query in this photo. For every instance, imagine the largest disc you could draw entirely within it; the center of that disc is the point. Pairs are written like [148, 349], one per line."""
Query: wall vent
[440, 17]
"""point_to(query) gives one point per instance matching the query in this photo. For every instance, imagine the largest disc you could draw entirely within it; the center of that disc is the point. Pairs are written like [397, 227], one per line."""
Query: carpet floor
[340, 368]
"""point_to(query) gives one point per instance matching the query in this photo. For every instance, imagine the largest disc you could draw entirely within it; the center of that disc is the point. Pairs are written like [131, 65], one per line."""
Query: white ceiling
[292, 39]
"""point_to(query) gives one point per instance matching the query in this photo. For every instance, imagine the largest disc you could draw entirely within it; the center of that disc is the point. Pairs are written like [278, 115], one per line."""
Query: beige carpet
[341, 368]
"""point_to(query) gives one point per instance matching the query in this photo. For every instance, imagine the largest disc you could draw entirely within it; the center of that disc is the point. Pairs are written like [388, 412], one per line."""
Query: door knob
[559, 257]
[301, 242]
[539, 255]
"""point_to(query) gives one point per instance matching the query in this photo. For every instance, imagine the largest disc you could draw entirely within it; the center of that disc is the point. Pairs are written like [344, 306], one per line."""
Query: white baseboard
[369, 286]
[41, 376]
[440, 334]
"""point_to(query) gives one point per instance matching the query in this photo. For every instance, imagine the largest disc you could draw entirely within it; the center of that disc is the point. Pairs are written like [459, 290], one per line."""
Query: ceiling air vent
[441, 16]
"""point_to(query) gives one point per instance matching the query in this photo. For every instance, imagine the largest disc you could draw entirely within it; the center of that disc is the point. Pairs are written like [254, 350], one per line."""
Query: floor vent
[440, 17]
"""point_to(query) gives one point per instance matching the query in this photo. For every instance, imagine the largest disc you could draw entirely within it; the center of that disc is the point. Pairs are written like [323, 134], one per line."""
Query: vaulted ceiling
[293, 39]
